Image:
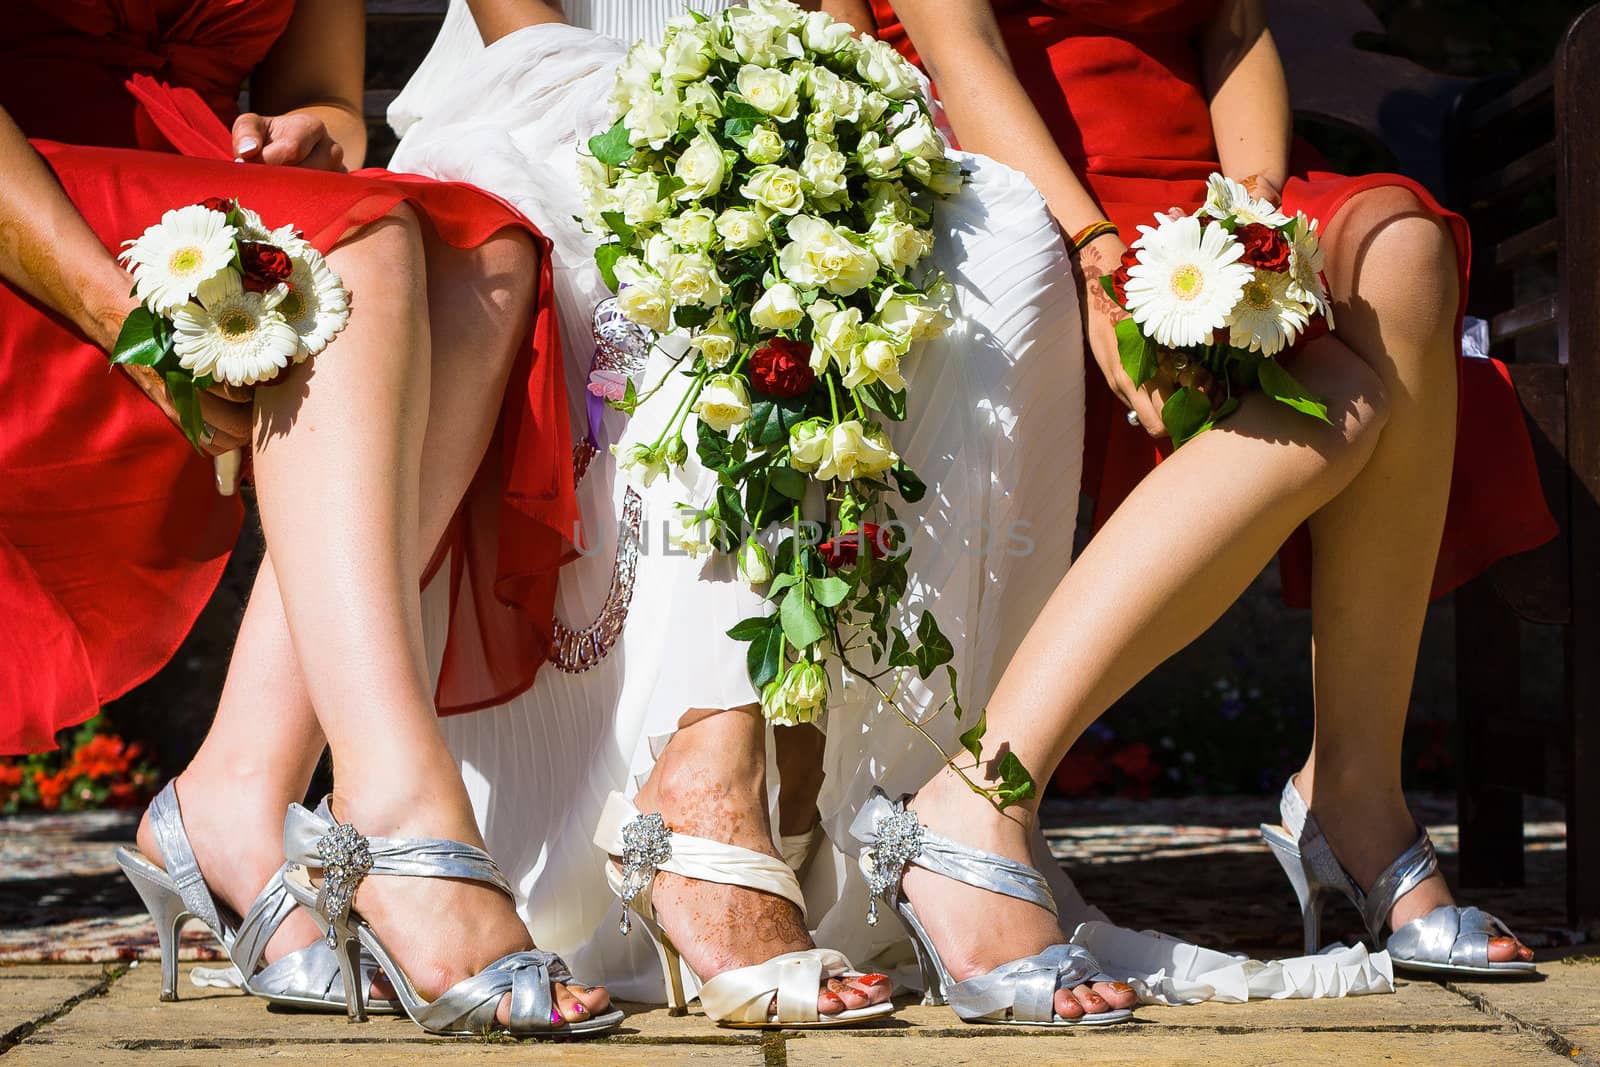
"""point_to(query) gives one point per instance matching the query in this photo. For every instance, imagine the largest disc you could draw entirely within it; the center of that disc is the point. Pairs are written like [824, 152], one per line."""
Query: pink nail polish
[579, 1009]
[555, 1017]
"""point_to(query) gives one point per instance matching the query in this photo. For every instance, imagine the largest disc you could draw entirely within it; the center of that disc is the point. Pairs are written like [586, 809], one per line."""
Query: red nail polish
[832, 998]
[872, 980]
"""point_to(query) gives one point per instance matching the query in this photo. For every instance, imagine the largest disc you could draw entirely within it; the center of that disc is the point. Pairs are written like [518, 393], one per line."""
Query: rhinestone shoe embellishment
[899, 841]
[646, 844]
[346, 859]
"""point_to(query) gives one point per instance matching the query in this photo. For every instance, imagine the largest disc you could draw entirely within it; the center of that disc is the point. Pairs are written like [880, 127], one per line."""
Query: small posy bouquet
[225, 300]
[1214, 298]
[766, 195]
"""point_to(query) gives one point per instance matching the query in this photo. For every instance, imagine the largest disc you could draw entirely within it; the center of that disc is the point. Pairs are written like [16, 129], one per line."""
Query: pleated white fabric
[995, 429]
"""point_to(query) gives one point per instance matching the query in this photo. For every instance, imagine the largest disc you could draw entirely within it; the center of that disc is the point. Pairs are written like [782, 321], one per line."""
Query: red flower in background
[264, 265]
[217, 203]
[1141, 770]
[782, 368]
[10, 775]
[103, 756]
[1119, 277]
[52, 787]
[1081, 773]
[842, 551]
[1264, 247]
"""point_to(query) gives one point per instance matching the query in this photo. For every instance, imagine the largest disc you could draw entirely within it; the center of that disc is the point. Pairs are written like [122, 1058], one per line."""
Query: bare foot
[443, 931]
[976, 930]
[711, 782]
[1367, 833]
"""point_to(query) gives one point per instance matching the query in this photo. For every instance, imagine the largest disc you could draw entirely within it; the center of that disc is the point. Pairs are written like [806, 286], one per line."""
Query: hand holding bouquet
[767, 194]
[225, 302]
[1214, 298]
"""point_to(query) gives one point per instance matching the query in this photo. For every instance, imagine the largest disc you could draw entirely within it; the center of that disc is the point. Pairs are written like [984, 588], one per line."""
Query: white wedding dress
[995, 430]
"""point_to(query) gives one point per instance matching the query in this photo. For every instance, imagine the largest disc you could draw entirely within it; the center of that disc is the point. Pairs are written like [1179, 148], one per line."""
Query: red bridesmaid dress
[1119, 83]
[112, 536]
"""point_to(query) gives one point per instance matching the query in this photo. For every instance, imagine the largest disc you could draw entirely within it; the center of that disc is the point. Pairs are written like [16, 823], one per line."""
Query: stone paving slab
[1566, 1003]
[1138, 1045]
[566, 1054]
[25, 997]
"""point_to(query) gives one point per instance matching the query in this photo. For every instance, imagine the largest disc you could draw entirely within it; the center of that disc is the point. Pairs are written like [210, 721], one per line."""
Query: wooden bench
[1522, 163]
[1483, 148]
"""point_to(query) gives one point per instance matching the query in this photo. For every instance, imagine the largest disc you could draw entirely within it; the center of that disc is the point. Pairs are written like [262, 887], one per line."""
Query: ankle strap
[346, 857]
[898, 840]
[177, 857]
[646, 845]
[271, 906]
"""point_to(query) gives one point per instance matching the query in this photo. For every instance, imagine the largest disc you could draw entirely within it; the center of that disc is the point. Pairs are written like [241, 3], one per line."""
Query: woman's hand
[1101, 315]
[227, 420]
[297, 139]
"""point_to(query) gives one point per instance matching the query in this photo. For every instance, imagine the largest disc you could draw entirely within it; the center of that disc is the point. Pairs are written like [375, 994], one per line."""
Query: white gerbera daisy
[317, 305]
[289, 239]
[251, 227]
[1227, 199]
[233, 335]
[1187, 280]
[1267, 319]
[1305, 267]
[172, 259]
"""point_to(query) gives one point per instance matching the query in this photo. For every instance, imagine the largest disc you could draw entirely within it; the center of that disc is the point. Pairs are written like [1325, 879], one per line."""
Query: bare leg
[711, 781]
[481, 296]
[800, 751]
[1393, 270]
[1143, 589]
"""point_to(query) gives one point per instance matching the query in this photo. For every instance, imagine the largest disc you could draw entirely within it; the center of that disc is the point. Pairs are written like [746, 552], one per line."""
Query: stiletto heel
[1019, 993]
[737, 998]
[166, 907]
[308, 979]
[347, 949]
[1448, 940]
[1310, 898]
[344, 858]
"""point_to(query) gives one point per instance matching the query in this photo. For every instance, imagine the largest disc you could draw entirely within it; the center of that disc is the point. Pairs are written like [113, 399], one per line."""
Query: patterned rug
[1194, 867]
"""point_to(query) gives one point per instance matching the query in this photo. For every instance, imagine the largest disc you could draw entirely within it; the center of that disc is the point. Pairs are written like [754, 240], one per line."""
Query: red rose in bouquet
[1119, 277]
[782, 368]
[1264, 247]
[264, 265]
[842, 551]
[220, 204]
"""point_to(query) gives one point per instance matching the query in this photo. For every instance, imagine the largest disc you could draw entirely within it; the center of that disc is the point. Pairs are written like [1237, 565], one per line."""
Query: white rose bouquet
[1214, 298]
[766, 195]
[225, 300]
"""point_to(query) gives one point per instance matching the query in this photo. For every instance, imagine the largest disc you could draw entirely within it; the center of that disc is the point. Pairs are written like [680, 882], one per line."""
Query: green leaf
[714, 448]
[617, 223]
[186, 402]
[936, 649]
[955, 697]
[689, 318]
[765, 658]
[900, 651]
[606, 258]
[1138, 352]
[881, 398]
[771, 420]
[1016, 784]
[1185, 414]
[912, 488]
[144, 339]
[1282, 387]
[829, 592]
[752, 628]
[972, 740]
[613, 147]
[737, 107]
[785, 580]
[800, 623]
[788, 481]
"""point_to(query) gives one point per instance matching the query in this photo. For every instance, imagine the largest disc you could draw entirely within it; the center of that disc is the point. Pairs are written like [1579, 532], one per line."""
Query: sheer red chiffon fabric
[1120, 85]
[112, 536]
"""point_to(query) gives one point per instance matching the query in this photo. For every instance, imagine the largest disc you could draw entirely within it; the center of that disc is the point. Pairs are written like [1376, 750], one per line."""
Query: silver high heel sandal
[1448, 940]
[1019, 993]
[308, 979]
[738, 998]
[312, 840]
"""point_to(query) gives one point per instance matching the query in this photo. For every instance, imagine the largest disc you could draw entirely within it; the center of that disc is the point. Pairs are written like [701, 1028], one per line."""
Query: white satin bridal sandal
[313, 841]
[1019, 993]
[1448, 940]
[740, 998]
[307, 979]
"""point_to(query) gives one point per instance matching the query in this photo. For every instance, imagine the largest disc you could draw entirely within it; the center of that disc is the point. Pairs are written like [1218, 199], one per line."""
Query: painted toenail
[873, 980]
[555, 1017]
